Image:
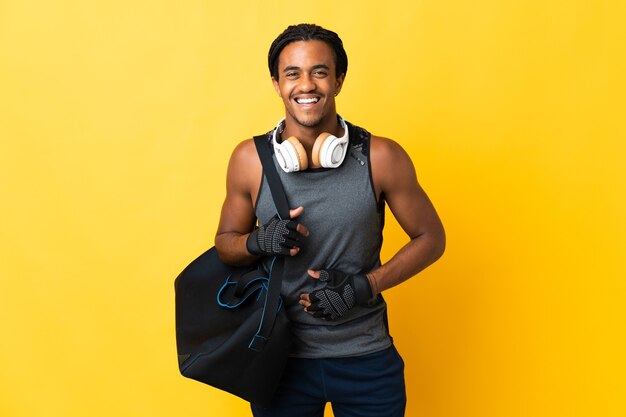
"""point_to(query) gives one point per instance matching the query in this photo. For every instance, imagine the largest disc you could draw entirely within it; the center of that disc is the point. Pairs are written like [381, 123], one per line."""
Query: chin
[307, 121]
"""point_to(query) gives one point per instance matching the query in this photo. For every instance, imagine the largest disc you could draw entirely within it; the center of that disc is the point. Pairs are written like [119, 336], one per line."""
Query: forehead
[306, 54]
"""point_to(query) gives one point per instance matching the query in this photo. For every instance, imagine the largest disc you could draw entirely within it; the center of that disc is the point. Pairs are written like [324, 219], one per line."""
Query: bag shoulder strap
[263, 147]
[272, 301]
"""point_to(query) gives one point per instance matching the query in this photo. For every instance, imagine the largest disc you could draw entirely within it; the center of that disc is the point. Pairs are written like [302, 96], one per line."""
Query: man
[339, 178]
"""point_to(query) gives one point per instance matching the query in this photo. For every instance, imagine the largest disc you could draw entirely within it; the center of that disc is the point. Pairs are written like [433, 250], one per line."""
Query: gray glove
[276, 237]
[341, 294]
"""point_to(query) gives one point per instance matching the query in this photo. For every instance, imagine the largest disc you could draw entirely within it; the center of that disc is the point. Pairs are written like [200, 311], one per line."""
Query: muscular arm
[395, 180]
[237, 219]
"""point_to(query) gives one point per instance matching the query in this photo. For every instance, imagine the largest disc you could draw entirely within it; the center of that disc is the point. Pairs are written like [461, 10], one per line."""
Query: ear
[276, 86]
[339, 83]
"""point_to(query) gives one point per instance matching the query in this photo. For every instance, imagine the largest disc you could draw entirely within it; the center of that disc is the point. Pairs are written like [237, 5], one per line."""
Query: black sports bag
[232, 331]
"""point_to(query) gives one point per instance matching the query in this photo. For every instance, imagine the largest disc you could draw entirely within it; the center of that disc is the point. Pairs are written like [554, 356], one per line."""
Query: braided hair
[307, 32]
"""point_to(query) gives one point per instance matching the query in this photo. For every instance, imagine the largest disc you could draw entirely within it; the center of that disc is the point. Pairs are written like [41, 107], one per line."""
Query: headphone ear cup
[329, 151]
[316, 157]
[297, 153]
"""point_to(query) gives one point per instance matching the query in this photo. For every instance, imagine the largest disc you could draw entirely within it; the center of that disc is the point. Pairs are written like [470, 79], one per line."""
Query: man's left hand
[341, 293]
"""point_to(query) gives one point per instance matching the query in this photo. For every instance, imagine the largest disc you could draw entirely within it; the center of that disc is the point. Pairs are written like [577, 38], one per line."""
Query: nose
[307, 83]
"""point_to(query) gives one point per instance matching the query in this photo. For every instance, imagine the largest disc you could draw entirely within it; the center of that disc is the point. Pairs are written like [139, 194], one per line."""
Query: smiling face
[307, 83]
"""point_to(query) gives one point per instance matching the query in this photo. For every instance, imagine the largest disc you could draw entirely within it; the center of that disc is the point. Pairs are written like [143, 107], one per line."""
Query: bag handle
[272, 301]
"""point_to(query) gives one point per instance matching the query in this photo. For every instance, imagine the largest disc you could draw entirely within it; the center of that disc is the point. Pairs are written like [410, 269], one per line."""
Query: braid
[307, 32]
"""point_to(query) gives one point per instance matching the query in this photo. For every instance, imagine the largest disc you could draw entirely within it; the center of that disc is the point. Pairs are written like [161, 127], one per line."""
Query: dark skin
[308, 84]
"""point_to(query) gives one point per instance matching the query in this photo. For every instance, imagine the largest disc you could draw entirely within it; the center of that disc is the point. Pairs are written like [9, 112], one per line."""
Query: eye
[320, 73]
[291, 74]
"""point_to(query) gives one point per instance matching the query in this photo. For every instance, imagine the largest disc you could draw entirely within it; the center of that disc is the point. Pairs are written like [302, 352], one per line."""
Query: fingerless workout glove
[341, 294]
[276, 237]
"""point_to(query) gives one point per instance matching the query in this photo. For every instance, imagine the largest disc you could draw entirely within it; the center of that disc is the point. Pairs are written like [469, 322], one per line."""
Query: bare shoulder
[245, 153]
[244, 168]
[385, 150]
[390, 164]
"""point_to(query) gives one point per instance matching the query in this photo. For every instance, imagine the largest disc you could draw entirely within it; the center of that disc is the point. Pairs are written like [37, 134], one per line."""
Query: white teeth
[307, 100]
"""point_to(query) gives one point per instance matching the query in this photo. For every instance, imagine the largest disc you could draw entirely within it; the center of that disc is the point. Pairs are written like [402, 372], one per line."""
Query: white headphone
[328, 151]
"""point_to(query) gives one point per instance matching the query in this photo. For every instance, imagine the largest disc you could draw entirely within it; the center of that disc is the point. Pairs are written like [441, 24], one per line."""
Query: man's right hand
[277, 237]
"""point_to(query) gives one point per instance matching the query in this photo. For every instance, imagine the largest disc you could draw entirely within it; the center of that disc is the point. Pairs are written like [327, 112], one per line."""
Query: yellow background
[117, 119]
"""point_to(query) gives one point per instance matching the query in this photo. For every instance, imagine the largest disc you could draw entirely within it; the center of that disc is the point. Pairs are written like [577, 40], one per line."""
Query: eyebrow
[293, 67]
